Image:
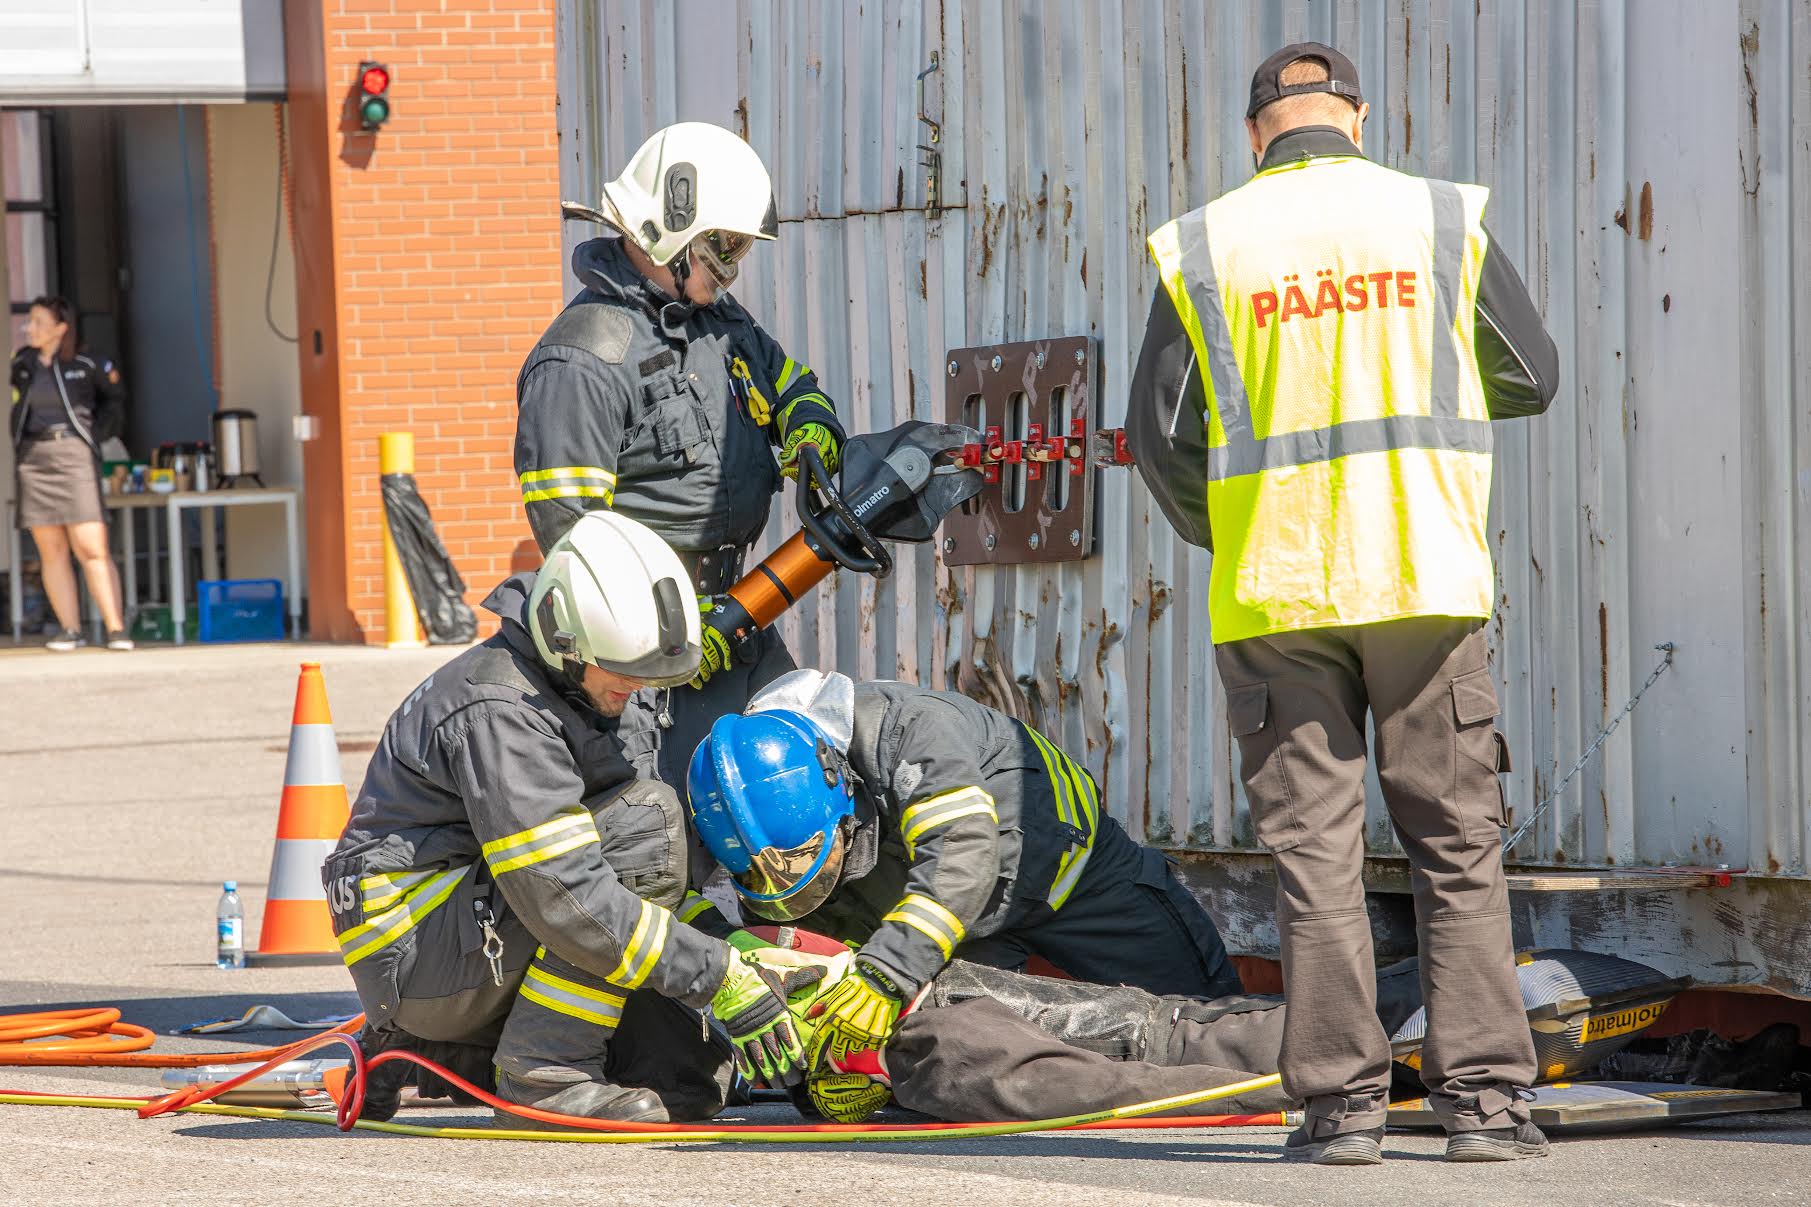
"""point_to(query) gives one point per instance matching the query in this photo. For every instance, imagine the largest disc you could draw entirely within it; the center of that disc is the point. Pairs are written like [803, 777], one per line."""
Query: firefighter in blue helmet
[656, 395]
[924, 826]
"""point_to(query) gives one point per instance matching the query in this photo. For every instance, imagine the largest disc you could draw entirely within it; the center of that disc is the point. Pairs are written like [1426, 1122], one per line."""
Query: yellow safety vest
[1330, 303]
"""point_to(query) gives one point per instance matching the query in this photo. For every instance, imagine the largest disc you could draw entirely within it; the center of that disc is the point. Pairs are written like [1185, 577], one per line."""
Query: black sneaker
[65, 641]
[1346, 1148]
[118, 639]
[1498, 1144]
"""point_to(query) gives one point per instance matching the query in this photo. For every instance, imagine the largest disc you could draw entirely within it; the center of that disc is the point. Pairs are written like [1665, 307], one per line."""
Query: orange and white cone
[309, 821]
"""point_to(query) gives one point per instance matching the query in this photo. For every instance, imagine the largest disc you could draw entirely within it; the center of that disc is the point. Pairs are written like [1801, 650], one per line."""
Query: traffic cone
[309, 821]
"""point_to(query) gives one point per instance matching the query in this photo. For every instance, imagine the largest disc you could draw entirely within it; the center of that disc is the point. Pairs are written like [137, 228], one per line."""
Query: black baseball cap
[1267, 85]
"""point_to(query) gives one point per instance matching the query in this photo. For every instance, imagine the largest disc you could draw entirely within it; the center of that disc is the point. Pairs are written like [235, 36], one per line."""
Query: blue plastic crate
[241, 609]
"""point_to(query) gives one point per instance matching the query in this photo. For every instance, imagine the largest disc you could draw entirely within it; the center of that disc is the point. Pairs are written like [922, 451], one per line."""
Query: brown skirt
[59, 483]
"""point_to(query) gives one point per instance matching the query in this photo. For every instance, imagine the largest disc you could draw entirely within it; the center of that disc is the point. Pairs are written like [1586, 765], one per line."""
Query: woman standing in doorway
[64, 405]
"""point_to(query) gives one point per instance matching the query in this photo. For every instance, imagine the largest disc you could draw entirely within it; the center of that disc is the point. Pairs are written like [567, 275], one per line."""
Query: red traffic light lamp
[372, 100]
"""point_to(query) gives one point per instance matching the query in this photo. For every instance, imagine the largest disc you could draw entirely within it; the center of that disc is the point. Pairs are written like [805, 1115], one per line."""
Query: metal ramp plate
[1571, 1107]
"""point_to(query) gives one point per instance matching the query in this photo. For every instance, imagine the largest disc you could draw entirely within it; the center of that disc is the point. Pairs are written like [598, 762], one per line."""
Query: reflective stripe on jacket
[1331, 303]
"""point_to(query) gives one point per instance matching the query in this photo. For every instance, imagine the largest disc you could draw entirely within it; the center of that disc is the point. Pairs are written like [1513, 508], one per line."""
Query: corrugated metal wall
[1651, 174]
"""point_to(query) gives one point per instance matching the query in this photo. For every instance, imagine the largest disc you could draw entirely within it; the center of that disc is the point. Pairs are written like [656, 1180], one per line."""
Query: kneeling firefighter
[507, 892]
[922, 825]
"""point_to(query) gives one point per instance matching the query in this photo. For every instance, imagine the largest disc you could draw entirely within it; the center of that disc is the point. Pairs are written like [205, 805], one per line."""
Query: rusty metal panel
[1034, 403]
[1660, 213]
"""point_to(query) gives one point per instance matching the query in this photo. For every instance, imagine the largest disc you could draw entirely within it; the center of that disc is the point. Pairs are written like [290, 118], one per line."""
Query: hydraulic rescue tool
[895, 485]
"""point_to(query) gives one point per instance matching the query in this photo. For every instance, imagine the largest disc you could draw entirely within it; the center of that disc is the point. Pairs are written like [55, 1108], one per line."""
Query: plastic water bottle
[229, 921]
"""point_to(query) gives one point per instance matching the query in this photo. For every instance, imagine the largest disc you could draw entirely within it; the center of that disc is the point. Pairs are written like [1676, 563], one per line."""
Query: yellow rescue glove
[856, 1015]
[716, 644]
[847, 1097]
[814, 434]
[751, 1005]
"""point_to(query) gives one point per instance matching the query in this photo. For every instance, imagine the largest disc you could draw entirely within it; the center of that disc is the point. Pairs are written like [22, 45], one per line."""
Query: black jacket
[669, 412]
[494, 758]
[92, 397]
[955, 802]
[1166, 411]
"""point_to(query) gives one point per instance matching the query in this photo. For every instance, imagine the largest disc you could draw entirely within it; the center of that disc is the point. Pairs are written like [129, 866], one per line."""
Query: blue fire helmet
[771, 797]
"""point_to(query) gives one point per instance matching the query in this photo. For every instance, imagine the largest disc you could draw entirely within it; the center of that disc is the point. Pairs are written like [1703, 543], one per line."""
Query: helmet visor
[719, 250]
[785, 885]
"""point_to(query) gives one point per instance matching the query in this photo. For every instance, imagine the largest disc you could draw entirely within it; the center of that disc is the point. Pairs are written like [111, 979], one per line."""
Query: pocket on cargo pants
[1480, 756]
[1273, 812]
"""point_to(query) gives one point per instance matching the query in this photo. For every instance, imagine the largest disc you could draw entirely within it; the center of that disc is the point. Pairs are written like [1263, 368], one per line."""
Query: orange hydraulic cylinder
[777, 583]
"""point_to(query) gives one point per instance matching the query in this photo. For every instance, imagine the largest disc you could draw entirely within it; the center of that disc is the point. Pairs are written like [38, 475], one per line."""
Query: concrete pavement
[131, 785]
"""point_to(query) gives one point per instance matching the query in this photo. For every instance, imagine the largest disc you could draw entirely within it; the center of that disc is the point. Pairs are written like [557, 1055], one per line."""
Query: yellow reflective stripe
[811, 395]
[392, 924]
[1059, 779]
[386, 888]
[542, 842]
[936, 936]
[1078, 805]
[570, 492]
[570, 998]
[1068, 874]
[935, 811]
[645, 946]
[931, 919]
[569, 482]
[568, 471]
[693, 906]
[1082, 784]
[788, 371]
[552, 1003]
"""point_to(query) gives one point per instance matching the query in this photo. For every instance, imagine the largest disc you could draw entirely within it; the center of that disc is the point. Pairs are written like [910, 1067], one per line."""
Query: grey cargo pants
[988, 1044]
[1297, 704]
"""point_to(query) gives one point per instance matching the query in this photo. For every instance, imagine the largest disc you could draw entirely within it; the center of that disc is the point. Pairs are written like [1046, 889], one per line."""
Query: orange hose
[95, 1036]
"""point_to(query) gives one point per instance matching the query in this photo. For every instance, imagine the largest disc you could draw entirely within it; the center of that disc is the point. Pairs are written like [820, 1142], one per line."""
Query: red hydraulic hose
[97, 1038]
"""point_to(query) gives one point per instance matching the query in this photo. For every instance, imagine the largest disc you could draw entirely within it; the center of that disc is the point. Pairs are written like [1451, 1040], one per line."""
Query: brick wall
[445, 250]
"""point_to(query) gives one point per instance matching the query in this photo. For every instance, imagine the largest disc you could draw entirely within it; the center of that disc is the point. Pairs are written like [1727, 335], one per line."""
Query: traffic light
[373, 103]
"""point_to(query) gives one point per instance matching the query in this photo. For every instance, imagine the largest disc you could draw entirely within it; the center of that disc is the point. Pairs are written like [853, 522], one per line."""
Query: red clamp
[1032, 448]
[1110, 448]
[993, 454]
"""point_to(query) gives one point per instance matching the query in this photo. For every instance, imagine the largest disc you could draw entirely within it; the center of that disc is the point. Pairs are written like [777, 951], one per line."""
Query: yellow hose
[700, 1136]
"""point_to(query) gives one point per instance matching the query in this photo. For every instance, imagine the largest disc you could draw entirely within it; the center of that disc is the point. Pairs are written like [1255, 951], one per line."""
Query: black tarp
[439, 591]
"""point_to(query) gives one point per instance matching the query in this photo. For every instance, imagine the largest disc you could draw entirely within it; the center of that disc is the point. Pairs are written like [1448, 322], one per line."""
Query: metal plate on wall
[1035, 402]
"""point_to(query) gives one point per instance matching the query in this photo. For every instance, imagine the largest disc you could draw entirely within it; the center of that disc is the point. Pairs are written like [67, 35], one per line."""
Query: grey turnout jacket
[492, 761]
[666, 411]
[966, 822]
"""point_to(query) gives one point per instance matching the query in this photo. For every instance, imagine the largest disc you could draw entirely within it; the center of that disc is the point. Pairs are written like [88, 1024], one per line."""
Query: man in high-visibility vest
[1313, 403]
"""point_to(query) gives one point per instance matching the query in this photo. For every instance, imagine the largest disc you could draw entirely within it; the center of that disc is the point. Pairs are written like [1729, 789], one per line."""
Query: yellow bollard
[402, 627]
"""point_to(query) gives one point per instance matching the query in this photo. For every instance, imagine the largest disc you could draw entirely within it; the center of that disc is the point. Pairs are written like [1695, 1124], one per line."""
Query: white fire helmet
[614, 595]
[693, 185]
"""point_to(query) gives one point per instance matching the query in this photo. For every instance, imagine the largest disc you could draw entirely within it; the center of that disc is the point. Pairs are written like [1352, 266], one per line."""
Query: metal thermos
[236, 446]
[204, 467]
[182, 464]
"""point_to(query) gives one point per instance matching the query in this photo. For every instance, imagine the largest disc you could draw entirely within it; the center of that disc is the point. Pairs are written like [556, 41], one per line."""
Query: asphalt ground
[131, 785]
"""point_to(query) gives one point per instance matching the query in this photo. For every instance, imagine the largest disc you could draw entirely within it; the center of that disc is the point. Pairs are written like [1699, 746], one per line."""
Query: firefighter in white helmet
[655, 394]
[508, 894]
